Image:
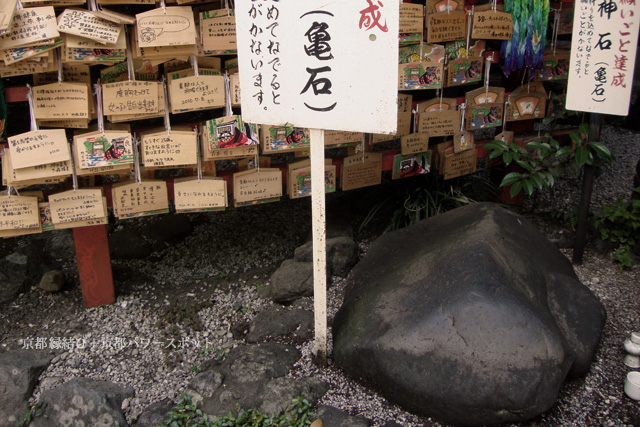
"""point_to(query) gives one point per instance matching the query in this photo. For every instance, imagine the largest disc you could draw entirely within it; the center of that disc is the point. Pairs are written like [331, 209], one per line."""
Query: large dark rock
[342, 254]
[154, 414]
[83, 401]
[13, 276]
[19, 371]
[278, 321]
[292, 280]
[334, 417]
[473, 317]
[252, 376]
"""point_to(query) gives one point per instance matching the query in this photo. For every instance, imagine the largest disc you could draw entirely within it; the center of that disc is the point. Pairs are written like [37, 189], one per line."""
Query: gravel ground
[177, 309]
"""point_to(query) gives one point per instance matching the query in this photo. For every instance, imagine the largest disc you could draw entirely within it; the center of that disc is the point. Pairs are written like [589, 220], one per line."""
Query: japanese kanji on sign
[319, 64]
[603, 51]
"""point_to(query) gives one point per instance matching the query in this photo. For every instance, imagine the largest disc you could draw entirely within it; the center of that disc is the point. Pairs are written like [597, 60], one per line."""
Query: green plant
[620, 225]
[32, 411]
[196, 368]
[186, 413]
[543, 160]
[405, 202]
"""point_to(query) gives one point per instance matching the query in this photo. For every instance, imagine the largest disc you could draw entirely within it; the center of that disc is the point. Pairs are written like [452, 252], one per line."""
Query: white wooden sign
[603, 51]
[319, 64]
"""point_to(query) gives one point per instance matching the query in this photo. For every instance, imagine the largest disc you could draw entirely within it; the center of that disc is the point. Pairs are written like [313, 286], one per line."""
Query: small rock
[276, 322]
[154, 414]
[19, 371]
[52, 281]
[334, 417]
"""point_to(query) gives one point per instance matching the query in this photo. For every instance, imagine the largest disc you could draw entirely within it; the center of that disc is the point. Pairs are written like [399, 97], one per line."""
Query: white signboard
[319, 64]
[603, 52]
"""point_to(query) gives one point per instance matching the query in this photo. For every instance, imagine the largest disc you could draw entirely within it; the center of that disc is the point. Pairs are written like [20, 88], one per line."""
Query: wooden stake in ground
[319, 244]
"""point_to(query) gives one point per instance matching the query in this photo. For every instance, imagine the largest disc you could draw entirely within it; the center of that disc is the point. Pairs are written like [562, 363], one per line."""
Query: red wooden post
[94, 265]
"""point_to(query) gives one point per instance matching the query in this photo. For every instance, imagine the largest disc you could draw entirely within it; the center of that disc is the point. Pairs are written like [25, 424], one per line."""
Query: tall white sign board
[603, 52]
[319, 64]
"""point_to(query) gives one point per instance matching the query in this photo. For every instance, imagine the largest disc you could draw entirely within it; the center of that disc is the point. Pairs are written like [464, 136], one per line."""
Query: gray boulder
[473, 317]
[19, 372]
[280, 392]
[278, 321]
[52, 281]
[83, 401]
[292, 280]
[154, 414]
[342, 254]
[251, 376]
[13, 276]
[334, 417]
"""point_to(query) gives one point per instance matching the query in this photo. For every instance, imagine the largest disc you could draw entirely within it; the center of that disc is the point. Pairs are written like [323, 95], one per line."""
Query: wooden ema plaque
[85, 24]
[464, 71]
[196, 93]
[446, 26]
[30, 27]
[228, 137]
[140, 199]
[283, 138]
[58, 101]
[77, 205]
[527, 102]
[19, 213]
[200, 195]
[100, 149]
[299, 178]
[172, 26]
[408, 165]
[464, 163]
[492, 25]
[420, 75]
[175, 148]
[485, 108]
[411, 18]
[130, 97]
[404, 128]
[38, 148]
[414, 143]
[256, 185]
[361, 170]
[436, 104]
[439, 123]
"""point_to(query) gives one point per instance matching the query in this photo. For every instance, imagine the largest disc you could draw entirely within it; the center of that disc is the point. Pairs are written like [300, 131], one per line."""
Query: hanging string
[163, 6]
[98, 92]
[2, 153]
[194, 64]
[448, 7]
[441, 95]
[415, 119]
[463, 107]
[199, 154]
[136, 160]
[226, 6]
[504, 116]
[469, 18]
[74, 177]
[365, 136]
[167, 123]
[494, 5]
[487, 70]
[59, 59]
[32, 111]
[92, 5]
[556, 28]
[130, 68]
[19, 5]
[227, 94]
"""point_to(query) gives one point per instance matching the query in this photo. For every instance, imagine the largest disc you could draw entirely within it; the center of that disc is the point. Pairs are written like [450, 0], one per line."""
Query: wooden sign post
[308, 64]
[600, 78]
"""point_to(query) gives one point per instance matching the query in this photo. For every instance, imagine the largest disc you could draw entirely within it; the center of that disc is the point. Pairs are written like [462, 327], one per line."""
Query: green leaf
[535, 144]
[524, 165]
[511, 178]
[600, 149]
[554, 144]
[582, 155]
[528, 187]
[507, 157]
[584, 128]
[564, 151]
[515, 189]
[494, 154]
[490, 146]
[500, 144]
[537, 181]
[548, 177]
[575, 137]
